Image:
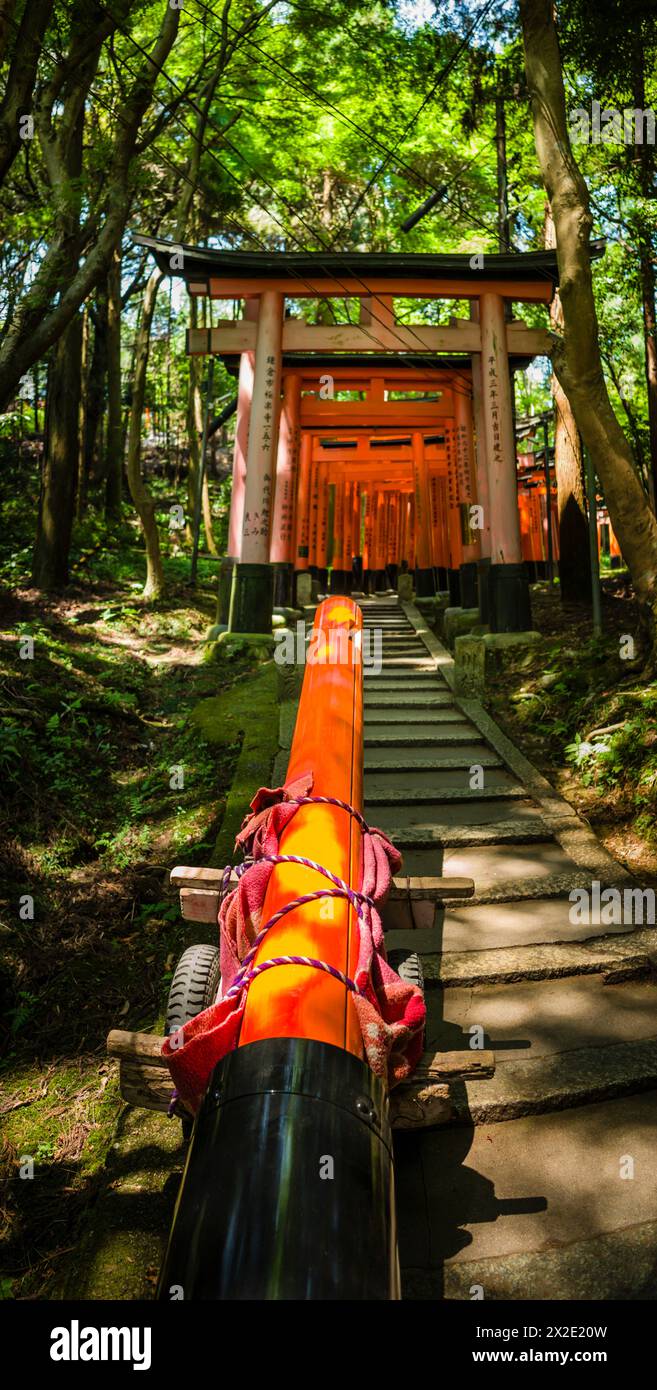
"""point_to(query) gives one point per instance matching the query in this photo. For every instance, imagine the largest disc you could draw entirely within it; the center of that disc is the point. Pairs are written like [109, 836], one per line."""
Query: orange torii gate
[379, 373]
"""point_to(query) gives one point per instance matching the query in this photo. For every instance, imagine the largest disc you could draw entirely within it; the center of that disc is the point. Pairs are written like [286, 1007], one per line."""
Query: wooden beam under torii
[406, 391]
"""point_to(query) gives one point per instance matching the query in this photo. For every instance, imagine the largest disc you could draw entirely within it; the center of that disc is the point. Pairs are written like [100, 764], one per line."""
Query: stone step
[427, 683]
[397, 759]
[452, 735]
[457, 819]
[405, 648]
[537, 1018]
[429, 783]
[531, 1207]
[401, 642]
[624, 956]
[504, 864]
[520, 829]
[421, 699]
[407, 663]
[433, 796]
[617, 1265]
[561, 1080]
[397, 716]
[518, 923]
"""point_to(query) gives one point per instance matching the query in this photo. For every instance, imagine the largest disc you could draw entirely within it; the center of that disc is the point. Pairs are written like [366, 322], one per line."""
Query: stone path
[543, 1185]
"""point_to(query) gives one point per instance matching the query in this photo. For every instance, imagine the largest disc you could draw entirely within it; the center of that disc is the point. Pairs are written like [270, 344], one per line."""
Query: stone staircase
[541, 1185]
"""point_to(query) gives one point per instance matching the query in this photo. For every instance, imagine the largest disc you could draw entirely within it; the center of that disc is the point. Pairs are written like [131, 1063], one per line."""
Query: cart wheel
[193, 988]
[408, 966]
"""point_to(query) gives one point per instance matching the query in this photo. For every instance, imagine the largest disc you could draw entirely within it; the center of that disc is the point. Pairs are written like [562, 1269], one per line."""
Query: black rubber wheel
[193, 988]
[408, 966]
[194, 985]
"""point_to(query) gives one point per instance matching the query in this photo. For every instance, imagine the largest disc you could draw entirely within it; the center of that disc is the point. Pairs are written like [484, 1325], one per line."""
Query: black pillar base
[469, 584]
[302, 588]
[483, 587]
[425, 584]
[509, 599]
[283, 584]
[322, 580]
[392, 572]
[357, 573]
[252, 598]
[317, 1119]
[225, 585]
[454, 586]
[442, 578]
[339, 581]
[380, 581]
[314, 580]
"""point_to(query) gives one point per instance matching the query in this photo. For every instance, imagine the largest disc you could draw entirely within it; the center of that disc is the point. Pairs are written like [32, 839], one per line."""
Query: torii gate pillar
[509, 589]
[236, 519]
[282, 534]
[251, 600]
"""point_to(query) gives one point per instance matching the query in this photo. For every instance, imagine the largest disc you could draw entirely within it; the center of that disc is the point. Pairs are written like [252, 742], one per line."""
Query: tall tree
[79, 250]
[114, 466]
[577, 360]
[574, 562]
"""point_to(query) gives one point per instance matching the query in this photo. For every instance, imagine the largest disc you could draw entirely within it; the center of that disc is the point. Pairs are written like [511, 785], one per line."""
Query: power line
[445, 71]
[323, 101]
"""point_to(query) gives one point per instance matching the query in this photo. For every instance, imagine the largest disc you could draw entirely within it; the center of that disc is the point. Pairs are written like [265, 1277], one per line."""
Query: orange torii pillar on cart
[256, 1218]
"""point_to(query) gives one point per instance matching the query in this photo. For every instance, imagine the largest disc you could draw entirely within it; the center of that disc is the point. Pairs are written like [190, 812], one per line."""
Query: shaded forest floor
[96, 742]
[585, 712]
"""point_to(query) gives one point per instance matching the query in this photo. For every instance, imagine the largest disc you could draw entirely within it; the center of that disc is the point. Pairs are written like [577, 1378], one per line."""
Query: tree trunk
[114, 456]
[574, 561]
[645, 152]
[577, 360]
[650, 338]
[58, 482]
[81, 504]
[194, 437]
[96, 389]
[144, 504]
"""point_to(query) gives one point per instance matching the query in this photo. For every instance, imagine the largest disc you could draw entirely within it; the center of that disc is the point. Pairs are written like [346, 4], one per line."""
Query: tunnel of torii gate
[367, 447]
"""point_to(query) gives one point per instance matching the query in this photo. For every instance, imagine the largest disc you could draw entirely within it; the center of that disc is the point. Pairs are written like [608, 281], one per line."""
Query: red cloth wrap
[391, 1013]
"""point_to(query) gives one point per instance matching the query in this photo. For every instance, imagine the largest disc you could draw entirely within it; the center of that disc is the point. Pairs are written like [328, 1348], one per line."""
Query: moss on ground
[254, 719]
[97, 729]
